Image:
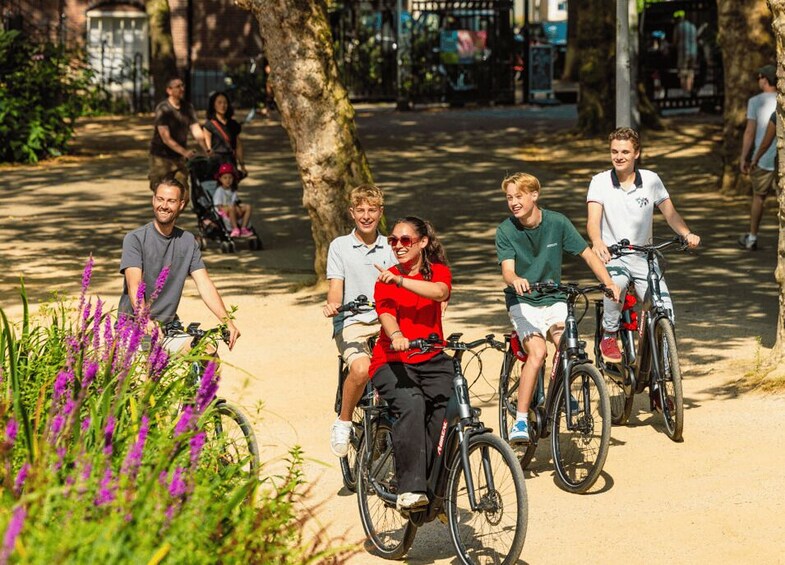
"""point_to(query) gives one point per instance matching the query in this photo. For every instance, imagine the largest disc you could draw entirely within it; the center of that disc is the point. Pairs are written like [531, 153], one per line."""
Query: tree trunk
[596, 42]
[571, 60]
[747, 42]
[315, 111]
[778, 11]
[163, 64]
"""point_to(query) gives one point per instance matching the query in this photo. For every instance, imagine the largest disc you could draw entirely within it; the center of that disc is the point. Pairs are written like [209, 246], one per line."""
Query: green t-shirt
[537, 253]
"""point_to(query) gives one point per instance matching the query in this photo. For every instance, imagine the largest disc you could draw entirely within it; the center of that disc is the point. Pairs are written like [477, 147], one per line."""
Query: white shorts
[352, 341]
[529, 320]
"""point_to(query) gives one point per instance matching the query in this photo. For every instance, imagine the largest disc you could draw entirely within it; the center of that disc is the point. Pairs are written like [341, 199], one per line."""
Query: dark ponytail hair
[434, 251]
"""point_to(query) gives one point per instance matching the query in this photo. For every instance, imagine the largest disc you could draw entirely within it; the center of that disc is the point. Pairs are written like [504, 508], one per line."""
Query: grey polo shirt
[627, 214]
[350, 260]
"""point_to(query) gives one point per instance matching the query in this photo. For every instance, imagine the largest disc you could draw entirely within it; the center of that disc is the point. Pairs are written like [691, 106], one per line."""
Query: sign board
[541, 69]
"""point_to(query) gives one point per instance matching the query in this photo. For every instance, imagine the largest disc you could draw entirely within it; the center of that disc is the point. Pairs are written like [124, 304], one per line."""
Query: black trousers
[417, 395]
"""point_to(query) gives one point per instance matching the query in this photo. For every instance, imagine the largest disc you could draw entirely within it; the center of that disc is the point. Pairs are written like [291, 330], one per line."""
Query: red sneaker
[610, 350]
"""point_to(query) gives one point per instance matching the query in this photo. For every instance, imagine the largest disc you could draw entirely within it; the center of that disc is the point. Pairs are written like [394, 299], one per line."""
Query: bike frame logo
[440, 447]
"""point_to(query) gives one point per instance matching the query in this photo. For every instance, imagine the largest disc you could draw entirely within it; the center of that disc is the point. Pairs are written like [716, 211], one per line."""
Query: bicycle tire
[238, 440]
[620, 402]
[508, 407]
[390, 535]
[579, 455]
[349, 461]
[495, 534]
[670, 390]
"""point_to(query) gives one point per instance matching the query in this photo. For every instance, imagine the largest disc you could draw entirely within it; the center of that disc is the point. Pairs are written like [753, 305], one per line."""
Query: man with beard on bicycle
[621, 204]
[160, 244]
[351, 272]
[529, 247]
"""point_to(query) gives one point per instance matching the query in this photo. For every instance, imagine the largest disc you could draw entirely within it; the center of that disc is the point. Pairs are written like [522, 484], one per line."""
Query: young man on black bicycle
[351, 272]
[149, 249]
[529, 247]
[621, 204]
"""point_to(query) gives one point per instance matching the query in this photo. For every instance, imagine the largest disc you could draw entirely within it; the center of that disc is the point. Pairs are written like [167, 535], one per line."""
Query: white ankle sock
[521, 416]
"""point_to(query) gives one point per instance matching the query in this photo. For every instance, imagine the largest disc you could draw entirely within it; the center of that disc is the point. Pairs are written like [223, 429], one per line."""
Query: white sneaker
[409, 500]
[340, 434]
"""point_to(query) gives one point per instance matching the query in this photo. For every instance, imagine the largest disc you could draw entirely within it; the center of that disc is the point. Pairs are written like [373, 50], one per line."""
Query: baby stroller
[210, 224]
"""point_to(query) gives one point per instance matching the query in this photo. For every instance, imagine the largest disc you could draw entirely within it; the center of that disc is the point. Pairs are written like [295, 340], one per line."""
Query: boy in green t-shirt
[529, 246]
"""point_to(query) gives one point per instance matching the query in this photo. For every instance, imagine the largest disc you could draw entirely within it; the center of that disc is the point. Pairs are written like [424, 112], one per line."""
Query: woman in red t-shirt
[408, 300]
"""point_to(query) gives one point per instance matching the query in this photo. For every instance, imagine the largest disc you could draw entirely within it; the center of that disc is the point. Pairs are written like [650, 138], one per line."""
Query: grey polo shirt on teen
[627, 214]
[150, 251]
[351, 261]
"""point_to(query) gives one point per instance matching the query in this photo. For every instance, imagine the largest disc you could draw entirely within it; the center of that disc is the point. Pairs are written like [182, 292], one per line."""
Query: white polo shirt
[350, 260]
[627, 214]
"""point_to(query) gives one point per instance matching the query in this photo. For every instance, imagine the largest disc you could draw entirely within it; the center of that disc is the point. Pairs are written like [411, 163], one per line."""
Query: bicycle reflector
[517, 348]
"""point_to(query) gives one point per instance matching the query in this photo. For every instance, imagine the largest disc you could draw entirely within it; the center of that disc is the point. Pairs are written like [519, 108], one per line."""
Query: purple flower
[160, 282]
[108, 336]
[108, 433]
[60, 458]
[86, 276]
[85, 424]
[140, 293]
[106, 491]
[177, 487]
[158, 360]
[69, 406]
[196, 443]
[184, 423]
[21, 477]
[11, 429]
[12, 532]
[207, 387]
[62, 381]
[97, 324]
[134, 457]
[89, 371]
[57, 425]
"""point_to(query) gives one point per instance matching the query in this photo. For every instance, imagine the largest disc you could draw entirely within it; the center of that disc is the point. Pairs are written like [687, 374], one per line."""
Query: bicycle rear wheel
[671, 394]
[390, 534]
[496, 531]
[508, 407]
[579, 453]
[349, 461]
[233, 432]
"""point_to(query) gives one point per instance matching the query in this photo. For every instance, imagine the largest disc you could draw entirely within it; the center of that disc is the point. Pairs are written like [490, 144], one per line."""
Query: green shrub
[104, 455]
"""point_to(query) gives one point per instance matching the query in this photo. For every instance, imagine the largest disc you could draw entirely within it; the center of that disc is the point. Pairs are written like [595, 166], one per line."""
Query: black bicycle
[230, 427]
[475, 485]
[575, 412]
[349, 461]
[649, 357]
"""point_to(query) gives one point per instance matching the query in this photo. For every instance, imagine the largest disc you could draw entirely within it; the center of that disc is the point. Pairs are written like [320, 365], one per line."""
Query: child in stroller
[212, 223]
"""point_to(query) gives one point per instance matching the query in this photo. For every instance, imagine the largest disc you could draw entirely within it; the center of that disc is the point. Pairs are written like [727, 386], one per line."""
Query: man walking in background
[685, 40]
[763, 174]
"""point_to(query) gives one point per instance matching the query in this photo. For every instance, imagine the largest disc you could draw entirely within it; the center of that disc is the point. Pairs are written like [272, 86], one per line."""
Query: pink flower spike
[12, 532]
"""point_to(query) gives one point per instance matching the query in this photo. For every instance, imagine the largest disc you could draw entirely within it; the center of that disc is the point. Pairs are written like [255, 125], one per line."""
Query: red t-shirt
[417, 317]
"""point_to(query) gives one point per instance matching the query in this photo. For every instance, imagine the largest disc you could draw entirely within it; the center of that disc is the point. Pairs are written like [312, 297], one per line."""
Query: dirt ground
[716, 497]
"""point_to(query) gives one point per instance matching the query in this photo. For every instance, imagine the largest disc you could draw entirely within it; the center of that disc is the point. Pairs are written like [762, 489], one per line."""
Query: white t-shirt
[760, 108]
[224, 197]
[627, 214]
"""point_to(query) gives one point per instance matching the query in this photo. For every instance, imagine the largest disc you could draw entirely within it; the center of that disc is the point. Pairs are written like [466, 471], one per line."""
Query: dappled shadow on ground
[444, 165]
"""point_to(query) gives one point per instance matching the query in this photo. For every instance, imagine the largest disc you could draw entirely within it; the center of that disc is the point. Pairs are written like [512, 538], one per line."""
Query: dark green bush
[43, 89]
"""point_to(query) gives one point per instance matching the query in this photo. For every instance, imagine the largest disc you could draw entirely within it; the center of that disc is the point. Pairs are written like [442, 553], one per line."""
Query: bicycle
[475, 480]
[649, 355]
[349, 461]
[229, 426]
[580, 429]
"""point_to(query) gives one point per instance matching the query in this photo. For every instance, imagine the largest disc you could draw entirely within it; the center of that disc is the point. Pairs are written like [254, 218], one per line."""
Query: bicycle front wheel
[233, 432]
[671, 395]
[579, 453]
[389, 533]
[508, 407]
[495, 531]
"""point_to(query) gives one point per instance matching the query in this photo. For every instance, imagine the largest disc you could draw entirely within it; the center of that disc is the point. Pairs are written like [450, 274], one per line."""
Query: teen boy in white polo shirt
[621, 204]
[351, 272]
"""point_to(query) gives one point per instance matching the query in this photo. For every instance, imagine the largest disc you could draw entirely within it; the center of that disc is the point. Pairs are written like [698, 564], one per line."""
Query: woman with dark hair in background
[222, 132]
[409, 299]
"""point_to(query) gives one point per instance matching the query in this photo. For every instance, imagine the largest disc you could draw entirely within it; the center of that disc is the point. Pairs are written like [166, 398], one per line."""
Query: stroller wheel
[255, 244]
[227, 247]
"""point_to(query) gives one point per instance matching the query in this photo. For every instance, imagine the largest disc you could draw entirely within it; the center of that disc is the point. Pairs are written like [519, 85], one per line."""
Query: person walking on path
[160, 245]
[685, 40]
[222, 133]
[174, 119]
[763, 174]
[621, 203]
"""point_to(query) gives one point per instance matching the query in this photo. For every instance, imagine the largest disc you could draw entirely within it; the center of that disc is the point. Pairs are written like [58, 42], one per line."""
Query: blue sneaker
[519, 433]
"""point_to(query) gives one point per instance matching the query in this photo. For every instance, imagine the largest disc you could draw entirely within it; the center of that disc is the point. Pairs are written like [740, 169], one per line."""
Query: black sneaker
[745, 243]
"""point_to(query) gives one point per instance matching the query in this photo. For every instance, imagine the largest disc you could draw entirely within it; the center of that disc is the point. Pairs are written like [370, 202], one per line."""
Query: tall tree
[747, 42]
[163, 64]
[315, 111]
[596, 46]
[778, 11]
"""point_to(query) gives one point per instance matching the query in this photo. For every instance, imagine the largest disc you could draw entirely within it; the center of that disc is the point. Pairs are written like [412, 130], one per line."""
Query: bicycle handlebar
[176, 327]
[453, 343]
[359, 304]
[625, 248]
[570, 289]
